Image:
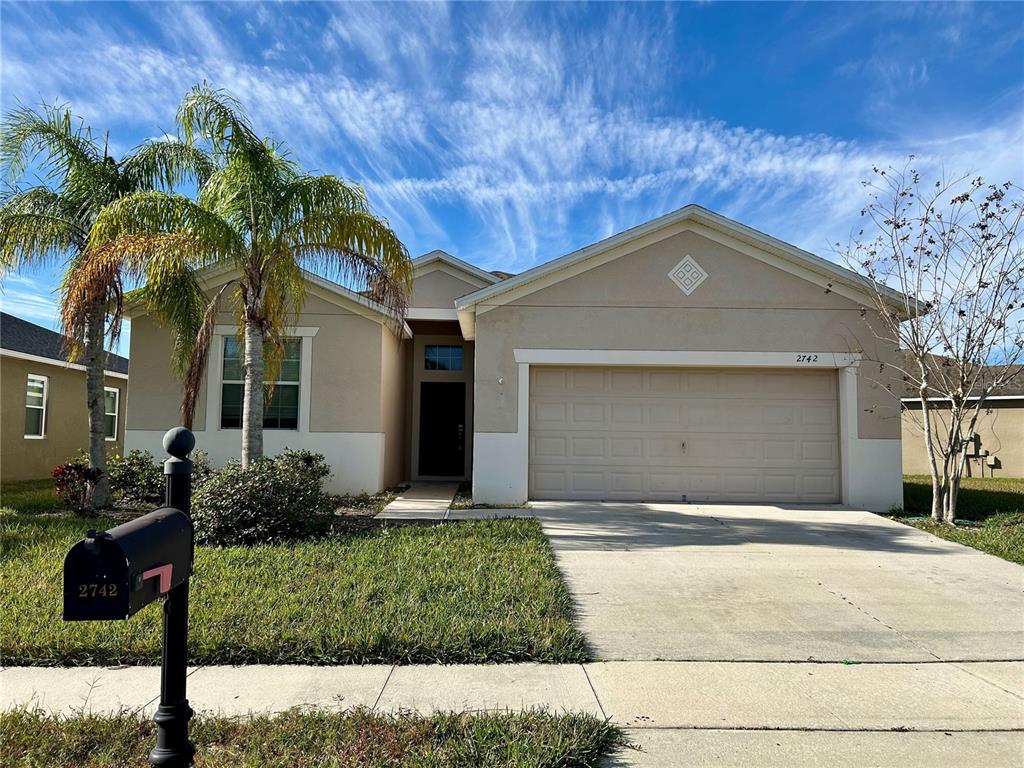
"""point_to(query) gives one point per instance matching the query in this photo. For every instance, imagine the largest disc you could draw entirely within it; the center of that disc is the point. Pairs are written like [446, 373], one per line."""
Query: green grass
[29, 496]
[479, 591]
[990, 514]
[306, 739]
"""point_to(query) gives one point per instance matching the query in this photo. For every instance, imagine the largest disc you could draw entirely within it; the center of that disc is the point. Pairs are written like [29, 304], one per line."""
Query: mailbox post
[116, 573]
[173, 747]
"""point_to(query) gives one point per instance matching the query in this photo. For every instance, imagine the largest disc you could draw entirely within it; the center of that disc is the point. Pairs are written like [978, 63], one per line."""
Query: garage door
[683, 434]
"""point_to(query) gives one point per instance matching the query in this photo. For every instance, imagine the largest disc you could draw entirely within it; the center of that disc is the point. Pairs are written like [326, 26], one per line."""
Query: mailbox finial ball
[179, 442]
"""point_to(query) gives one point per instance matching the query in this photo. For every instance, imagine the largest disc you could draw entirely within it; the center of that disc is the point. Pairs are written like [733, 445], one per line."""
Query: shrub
[201, 468]
[273, 500]
[136, 477]
[75, 480]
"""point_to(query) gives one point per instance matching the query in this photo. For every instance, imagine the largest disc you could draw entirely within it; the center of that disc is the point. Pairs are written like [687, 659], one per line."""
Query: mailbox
[116, 573]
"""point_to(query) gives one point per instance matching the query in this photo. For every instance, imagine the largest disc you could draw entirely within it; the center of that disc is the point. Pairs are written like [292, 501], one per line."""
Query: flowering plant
[75, 480]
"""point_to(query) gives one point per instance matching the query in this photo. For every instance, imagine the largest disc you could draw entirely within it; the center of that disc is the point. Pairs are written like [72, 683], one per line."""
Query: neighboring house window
[440, 357]
[281, 408]
[35, 406]
[111, 399]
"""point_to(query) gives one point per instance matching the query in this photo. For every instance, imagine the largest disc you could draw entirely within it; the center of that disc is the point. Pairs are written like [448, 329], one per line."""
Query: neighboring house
[690, 358]
[998, 444]
[43, 416]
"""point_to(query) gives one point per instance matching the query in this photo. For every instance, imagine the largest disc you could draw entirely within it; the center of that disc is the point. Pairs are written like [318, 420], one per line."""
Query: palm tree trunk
[252, 402]
[95, 363]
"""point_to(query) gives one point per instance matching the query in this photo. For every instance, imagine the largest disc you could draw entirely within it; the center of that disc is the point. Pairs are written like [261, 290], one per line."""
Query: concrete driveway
[769, 583]
[724, 623]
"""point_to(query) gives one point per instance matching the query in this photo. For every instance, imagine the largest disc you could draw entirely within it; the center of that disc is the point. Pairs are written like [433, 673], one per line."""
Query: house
[689, 358]
[43, 420]
[997, 448]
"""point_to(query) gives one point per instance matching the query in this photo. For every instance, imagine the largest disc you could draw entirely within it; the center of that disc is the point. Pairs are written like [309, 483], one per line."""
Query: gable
[440, 288]
[642, 278]
[828, 276]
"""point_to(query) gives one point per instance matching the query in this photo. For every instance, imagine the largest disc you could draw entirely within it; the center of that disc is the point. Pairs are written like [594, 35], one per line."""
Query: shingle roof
[19, 335]
[1014, 388]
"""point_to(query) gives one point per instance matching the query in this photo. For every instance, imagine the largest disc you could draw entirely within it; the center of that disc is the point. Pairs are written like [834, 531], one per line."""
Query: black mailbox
[116, 573]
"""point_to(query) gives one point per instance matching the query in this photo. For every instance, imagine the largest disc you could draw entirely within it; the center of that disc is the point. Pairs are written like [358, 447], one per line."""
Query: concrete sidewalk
[421, 501]
[790, 713]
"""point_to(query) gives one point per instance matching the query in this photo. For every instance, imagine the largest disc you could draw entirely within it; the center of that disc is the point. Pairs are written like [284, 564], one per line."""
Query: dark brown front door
[442, 429]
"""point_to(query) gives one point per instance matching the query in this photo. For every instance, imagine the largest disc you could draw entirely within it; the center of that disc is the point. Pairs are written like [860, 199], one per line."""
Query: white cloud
[541, 138]
[25, 297]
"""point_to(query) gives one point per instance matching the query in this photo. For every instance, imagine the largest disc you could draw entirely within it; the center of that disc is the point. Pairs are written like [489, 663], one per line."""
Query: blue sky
[511, 134]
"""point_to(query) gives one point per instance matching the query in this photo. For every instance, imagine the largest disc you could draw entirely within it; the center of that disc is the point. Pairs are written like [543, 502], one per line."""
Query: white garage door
[683, 434]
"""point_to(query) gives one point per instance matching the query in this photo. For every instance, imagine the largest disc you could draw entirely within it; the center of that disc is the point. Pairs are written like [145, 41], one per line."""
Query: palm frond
[26, 134]
[313, 195]
[166, 164]
[195, 369]
[156, 213]
[218, 117]
[354, 247]
[36, 227]
[163, 261]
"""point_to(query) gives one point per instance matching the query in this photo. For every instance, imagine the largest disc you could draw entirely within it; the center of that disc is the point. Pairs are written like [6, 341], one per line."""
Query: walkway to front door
[422, 501]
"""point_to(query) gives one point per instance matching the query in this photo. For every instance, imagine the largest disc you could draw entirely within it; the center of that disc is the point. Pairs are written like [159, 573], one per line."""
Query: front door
[442, 429]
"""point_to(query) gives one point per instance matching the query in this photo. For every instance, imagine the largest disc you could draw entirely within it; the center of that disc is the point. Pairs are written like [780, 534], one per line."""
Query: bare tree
[953, 250]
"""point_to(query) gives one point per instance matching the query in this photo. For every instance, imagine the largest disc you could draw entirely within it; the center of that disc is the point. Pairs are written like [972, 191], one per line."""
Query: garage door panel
[620, 433]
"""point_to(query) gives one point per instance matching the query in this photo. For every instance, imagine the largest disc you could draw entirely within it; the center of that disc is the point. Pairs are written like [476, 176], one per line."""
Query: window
[35, 406]
[281, 408]
[438, 357]
[111, 398]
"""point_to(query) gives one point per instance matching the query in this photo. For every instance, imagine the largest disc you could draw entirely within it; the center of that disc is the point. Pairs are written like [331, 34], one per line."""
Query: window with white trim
[280, 406]
[36, 391]
[111, 400]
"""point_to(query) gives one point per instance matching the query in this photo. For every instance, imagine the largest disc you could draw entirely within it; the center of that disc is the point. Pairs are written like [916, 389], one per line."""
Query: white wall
[355, 457]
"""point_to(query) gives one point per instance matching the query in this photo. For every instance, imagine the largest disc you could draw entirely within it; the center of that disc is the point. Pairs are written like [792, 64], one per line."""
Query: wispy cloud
[529, 132]
[26, 297]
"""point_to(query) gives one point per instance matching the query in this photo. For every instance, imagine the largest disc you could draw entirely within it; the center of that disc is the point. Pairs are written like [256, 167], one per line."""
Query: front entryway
[442, 429]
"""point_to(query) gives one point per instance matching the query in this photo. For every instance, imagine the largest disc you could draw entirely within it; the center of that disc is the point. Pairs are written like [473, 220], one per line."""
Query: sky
[509, 135]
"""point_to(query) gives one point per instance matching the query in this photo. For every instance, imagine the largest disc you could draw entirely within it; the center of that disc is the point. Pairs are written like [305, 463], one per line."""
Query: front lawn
[990, 514]
[29, 495]
[477, 591]
[305, 739]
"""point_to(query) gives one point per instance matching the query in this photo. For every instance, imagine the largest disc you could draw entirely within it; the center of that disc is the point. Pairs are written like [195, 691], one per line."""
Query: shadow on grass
[978, 499]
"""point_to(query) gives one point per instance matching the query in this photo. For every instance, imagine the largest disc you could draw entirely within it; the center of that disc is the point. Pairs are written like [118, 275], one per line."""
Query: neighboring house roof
[421, 262]
[1013, 390]
[814, 268]
[34, 341]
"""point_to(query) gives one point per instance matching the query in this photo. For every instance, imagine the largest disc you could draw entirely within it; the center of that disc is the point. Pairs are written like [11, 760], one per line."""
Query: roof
[837, 278]
[488, 278]
[1013, 389]
[17, 335]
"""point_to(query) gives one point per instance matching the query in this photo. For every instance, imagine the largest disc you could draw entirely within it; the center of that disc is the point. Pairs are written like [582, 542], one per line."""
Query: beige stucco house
[997, 448]
[43, 418]
[690, 358]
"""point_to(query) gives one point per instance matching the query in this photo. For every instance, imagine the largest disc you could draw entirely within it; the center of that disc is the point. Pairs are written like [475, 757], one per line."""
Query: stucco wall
[346, 419]
[67, 419]
[438, 289]
[631, 304]
[1000, 426]
[345, 384]
[393, 407]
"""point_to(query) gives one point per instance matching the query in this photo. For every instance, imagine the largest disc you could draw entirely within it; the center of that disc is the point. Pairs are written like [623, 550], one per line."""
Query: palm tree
[50, 222]
[261, 214]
